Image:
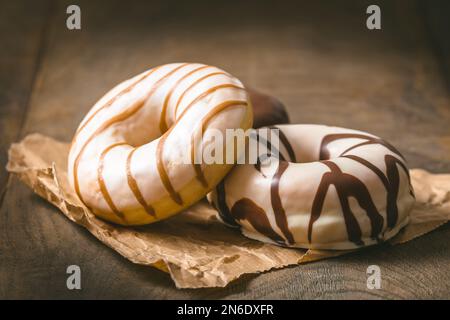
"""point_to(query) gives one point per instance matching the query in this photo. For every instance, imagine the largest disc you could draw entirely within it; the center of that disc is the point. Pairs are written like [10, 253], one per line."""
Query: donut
[267, 110]
[322, 187]
[127, 160]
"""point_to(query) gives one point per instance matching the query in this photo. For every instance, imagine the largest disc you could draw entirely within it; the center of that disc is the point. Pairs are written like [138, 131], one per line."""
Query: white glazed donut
[125, 159]
[332, 188]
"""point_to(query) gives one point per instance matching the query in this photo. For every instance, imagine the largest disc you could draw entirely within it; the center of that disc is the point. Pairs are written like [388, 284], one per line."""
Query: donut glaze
[329, 188]
[125, 161]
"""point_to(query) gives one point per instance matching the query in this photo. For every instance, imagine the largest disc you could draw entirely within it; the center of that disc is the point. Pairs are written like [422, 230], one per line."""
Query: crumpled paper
[194, 247]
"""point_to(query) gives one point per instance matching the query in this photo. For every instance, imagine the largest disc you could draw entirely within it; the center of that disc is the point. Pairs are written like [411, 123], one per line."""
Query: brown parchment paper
[194, 247]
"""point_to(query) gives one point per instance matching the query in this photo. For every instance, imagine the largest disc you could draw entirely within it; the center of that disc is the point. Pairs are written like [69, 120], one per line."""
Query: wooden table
[317, 57]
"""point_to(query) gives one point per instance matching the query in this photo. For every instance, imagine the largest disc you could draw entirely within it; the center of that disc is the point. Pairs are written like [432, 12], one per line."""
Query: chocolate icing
[267, 110]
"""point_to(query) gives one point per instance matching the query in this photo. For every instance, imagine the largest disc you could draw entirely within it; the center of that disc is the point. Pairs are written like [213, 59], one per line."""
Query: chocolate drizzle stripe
[371, 166]
[132, 183]
[135, 107]
[405, 169]
[324, 153]
[117, 96]
[101, 181]
[259, 140]
[224, 212]
[285, 141]
[346, 186]
[277, 206]
[393, 176]
[365, 143]
[391, 180]
[391, 184]
[389, 147]
[193, 85]
[205, 120]
[162, 122]
[246, 209]
[349, 186]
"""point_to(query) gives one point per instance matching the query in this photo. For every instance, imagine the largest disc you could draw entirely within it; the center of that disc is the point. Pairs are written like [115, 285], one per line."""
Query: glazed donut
[124, 161]
[328, 188]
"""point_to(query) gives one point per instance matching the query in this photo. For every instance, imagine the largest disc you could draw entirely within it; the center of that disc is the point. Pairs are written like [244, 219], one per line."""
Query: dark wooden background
[316, 56]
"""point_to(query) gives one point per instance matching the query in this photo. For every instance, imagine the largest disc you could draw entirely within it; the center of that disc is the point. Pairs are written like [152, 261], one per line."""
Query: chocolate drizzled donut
[328, 188]
[267, 110]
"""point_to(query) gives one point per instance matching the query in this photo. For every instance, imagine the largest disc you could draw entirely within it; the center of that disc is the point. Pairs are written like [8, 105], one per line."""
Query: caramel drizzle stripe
[135, 107]
[277, 206]
[206, 119]
[132, 183]
[113, 99]
[284, 140]
[162, 122]
[207, 93]
[101, 181]
[193, 85]
[160, 147]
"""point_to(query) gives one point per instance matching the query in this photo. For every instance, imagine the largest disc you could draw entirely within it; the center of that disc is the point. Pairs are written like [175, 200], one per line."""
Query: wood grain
[316, 57]
[20, 57]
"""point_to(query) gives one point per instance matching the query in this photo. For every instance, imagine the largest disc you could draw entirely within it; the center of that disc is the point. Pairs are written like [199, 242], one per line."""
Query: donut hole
[140, 129]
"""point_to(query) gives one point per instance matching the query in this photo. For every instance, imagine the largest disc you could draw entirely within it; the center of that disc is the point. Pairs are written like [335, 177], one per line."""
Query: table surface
[317, 57]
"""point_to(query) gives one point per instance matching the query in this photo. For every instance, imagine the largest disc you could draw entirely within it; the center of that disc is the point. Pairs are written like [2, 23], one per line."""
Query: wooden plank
[317, 57]
[19, 61]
